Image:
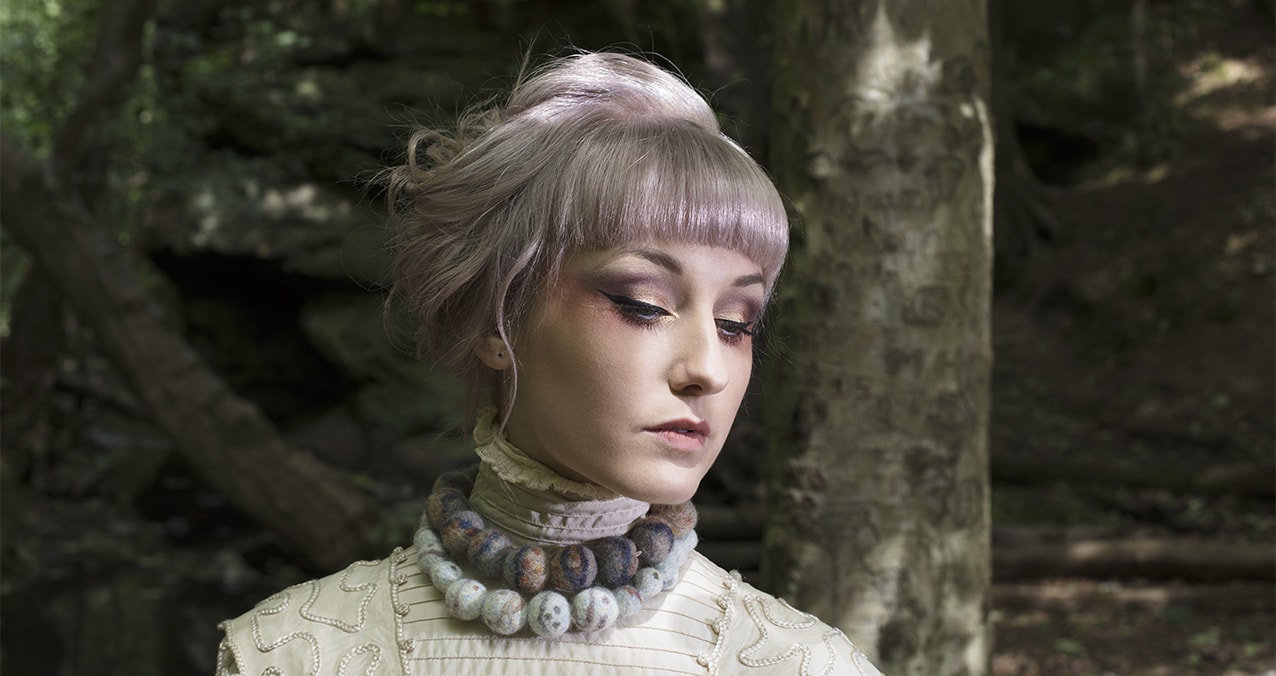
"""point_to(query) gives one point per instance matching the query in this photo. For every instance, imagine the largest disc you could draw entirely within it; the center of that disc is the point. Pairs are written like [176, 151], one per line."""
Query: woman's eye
[635, 310]
[734, 331]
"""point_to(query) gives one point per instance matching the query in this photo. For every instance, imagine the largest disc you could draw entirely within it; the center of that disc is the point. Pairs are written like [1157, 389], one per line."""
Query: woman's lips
[685, 435]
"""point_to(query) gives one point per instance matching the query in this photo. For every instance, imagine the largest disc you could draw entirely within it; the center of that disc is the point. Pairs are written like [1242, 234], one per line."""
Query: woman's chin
[670, 492]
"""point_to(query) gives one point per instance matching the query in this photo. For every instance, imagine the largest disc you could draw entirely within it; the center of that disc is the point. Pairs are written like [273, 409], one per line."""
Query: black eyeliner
[627, 302]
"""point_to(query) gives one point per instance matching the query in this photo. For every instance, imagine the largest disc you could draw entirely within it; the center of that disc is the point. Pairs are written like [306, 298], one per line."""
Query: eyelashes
[636, 311]
[735, 331]
[646, 315]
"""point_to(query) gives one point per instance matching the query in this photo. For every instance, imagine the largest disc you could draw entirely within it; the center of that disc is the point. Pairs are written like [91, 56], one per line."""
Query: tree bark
[227, 440]
[29, 358]
[878, 399]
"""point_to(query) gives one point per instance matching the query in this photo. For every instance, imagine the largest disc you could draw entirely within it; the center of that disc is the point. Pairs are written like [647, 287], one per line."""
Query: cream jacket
[385, 617]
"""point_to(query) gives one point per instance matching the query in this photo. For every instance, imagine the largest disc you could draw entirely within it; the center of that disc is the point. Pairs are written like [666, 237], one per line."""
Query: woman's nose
[700, 361]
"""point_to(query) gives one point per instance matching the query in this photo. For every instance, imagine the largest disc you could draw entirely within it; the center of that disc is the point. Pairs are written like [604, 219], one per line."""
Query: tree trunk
[29, 358]
[879, 398]
[228, 441]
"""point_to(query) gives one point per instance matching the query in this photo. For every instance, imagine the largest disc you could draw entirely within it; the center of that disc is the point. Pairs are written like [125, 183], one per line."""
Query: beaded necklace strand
[582, 587]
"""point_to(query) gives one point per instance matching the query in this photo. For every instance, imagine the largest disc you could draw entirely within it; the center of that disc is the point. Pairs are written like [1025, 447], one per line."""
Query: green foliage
[1068, 646]
[1208, 638]
[44, 45]
[44, 53]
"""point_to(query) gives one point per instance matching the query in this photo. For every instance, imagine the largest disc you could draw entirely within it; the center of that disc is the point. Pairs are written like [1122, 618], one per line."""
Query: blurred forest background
[1133, 437]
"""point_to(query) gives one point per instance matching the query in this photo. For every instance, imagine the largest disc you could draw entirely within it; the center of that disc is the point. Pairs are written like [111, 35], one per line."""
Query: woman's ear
[494, 352]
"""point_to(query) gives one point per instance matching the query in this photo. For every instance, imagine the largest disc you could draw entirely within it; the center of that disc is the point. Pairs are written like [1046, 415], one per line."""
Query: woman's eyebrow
[671, 264]
[660, 258]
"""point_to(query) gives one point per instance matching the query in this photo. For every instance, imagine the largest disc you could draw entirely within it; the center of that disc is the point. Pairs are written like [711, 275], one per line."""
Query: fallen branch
[1072, 595]
[1247, 479]
[102, 393]
[1034, 554]
[226, 439]
[1183, 559]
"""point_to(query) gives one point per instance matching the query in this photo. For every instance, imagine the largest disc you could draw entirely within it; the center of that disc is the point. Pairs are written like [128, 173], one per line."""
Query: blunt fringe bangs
[590, 151]
[669, 180]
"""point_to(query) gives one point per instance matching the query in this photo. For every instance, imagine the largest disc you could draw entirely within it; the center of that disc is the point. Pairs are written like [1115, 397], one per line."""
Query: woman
[593, 257]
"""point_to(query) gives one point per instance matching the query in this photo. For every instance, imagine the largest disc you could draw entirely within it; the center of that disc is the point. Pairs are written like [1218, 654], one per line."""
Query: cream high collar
[531, 502]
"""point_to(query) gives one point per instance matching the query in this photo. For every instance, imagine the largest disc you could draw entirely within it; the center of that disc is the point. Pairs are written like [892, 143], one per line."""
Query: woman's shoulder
[343, 623]
[762, 634]
[384, 617]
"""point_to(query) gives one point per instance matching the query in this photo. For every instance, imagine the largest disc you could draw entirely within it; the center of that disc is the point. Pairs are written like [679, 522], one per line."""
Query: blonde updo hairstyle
[589, 151]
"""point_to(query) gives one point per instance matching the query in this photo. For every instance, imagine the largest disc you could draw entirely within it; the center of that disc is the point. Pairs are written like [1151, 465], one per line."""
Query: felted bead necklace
[582, 587]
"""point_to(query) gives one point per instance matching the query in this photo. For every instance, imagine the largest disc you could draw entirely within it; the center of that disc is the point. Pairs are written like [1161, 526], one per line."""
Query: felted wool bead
[503, 611]
[653, 537]
[444, 574]
[573, 568]
[549, 614]
[457, 531]
[461, 480]
[617, 560]
[628, 600]
[669, 573]
[686, 544]
[442, 504]
[488, 549]
[681, 517]
[671, 567]
[464, 599]
[426, 560]
[648, 582]
[525, 569]
[594, 609]
[427, 542]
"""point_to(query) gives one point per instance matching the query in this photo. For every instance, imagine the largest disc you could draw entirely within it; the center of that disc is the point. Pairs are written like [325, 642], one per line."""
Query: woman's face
[632, 367]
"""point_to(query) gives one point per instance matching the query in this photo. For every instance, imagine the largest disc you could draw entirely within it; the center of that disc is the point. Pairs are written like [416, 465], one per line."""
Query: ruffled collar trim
[532, 502]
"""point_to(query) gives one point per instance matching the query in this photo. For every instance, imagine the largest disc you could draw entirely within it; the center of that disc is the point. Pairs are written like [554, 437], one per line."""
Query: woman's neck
[530, 501]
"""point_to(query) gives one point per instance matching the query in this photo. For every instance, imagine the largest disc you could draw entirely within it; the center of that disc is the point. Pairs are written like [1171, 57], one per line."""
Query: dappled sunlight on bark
[880, 519]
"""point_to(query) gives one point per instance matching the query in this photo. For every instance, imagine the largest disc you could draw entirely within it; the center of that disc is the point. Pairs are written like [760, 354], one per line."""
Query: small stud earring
[501, 354]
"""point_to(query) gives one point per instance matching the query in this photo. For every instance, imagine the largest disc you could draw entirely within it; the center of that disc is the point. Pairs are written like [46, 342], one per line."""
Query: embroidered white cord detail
[405, 645]
[259, 640]
[369, 587]
[760, 612]
[806, 622]
[365, 648]
[720, 626]
[397, 558]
